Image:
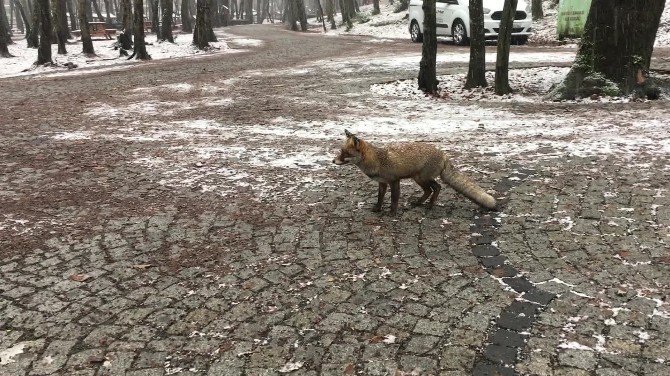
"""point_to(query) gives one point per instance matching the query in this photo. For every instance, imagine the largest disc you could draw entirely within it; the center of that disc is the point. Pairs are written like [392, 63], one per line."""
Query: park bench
[97, 29]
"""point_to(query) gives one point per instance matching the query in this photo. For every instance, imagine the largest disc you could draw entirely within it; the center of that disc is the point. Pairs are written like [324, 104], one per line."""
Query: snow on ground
[108, 58]
[531, 84]
[212, 159]
[384, 25]
[410, 62]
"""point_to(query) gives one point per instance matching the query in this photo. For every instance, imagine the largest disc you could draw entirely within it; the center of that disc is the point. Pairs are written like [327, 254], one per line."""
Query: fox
[418, 161]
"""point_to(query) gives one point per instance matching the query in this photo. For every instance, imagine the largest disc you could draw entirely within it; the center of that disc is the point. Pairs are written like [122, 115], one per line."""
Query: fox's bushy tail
[467, 187]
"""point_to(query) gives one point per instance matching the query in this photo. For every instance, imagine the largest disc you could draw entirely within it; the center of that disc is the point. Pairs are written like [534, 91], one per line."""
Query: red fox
[411, 160]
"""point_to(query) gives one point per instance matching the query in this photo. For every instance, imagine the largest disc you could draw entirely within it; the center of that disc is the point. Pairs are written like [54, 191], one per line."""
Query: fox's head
[351, 150]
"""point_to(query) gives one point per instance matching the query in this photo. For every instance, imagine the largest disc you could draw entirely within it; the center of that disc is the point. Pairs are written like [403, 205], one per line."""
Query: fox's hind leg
[395, 196]
[380, 197]
[435, 187]
[427, 191]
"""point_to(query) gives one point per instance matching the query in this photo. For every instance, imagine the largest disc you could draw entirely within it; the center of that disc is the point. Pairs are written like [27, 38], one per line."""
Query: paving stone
[507, 338]
[581, 359]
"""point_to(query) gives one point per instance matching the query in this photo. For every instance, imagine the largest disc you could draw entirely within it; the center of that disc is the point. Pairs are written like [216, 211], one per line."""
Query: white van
[453, 20]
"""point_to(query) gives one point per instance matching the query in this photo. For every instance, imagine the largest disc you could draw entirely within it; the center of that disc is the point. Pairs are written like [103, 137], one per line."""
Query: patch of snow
[7, 355]
[105, 58]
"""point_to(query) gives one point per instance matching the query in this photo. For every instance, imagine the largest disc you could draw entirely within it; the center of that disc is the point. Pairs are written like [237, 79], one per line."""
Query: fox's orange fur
[421, 162]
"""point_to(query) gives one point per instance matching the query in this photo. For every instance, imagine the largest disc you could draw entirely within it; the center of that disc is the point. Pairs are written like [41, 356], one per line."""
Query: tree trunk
[186, 25]
[4, 37]
[73, 14]
[61, 33]
[87, 44]
[504, 39]
[33, 38]
[44, 49]
[200, 31]
[209, 32]
[266, 11]
[62, 8]
[323, 19]
[11, 15]
[155, 27]
[139, 46]
[477, 68]
[259, 12]
[615, 51]
[26, 22]
[536, 10]
[108, 17]
[302, 14]
[20, 19]
[427, 69]
[97, 10]
[127, 25]
[214, 13]
[166, 24]
[249, 5]
[4, 22]
[330, 9]
[346, 14]
[375, 7]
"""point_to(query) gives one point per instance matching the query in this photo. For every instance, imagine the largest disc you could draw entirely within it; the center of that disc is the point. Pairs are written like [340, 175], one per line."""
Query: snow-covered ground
[529, 84]
[106, 57]
[395, 25]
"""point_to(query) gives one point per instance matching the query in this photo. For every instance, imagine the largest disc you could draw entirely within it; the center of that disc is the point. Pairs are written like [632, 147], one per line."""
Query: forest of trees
[44, 22]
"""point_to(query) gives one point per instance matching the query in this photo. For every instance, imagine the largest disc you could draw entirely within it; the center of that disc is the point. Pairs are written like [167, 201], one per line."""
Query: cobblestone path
[184, 218]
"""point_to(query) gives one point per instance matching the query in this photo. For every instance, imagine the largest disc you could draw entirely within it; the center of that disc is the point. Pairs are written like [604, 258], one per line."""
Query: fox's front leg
[380, 197]
[395, 196]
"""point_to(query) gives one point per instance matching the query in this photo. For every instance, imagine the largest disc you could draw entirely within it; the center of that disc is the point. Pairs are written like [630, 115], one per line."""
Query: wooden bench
[97, 29]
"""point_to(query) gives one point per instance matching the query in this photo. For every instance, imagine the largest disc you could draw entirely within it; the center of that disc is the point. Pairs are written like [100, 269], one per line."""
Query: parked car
[453, 20]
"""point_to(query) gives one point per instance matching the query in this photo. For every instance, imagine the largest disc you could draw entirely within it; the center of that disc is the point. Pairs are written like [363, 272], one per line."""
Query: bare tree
[97, 10]
[33, 38]
[125, 38]
[375, 7]
[4, 37]
[44, 49]
[477, 68]
[61, 30]
[504, 39]
[203, 32]
[186, 25]
[536, 10]
[26, 22]
[155, 22]
[87, 44]
[73, 14]
[4, 23]
[330, 9]
[249, 5]
[139, 45]
[615, 51]
[19, 19]
[427, 69]
[166, 21]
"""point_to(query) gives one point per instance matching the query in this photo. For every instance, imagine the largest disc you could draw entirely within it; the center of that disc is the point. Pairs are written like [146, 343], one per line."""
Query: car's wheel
[415, 32]
[520, 40]
[459, 33]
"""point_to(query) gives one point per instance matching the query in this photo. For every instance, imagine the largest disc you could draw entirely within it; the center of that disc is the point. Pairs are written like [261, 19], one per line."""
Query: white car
[453, 20]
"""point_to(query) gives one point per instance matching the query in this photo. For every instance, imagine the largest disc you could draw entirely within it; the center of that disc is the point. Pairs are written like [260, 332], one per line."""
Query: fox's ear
[347, 133]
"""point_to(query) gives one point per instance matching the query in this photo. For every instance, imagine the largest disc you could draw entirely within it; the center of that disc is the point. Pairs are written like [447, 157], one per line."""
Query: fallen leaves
[79, 277]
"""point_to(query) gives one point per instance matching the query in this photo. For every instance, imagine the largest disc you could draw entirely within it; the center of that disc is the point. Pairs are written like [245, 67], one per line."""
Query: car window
[455, 2]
